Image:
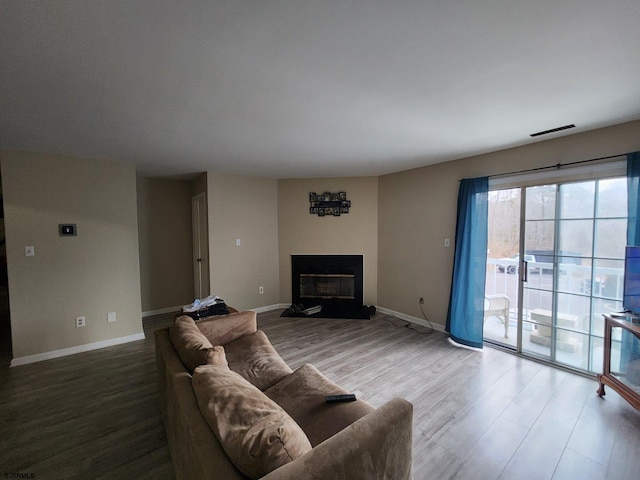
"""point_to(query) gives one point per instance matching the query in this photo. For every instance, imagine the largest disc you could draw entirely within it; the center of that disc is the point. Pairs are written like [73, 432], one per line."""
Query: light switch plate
[29, 251]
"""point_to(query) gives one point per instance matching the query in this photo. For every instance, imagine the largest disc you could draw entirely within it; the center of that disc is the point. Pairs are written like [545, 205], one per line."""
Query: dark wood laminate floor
[486, 415]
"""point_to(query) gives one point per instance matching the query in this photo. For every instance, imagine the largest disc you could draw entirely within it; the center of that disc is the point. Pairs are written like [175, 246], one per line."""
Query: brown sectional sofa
[233, 409]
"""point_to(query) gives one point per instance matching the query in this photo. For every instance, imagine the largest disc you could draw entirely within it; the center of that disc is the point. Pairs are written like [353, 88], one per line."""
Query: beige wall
[352, 233]
[418, 211]
[397, 221]
[89, 275]
[165, 241]
[243, 208]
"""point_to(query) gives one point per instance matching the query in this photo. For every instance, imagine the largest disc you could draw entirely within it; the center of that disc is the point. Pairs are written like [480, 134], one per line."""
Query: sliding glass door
[502, 284]
[566, 269]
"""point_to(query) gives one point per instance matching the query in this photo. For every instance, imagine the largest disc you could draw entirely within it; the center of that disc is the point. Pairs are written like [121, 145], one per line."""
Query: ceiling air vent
[553, 130]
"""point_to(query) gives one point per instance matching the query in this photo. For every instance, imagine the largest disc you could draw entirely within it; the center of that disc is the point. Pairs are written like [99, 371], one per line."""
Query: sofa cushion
[256, 434]
[301, 395]
[192, 346]
[222, 329]
[255, 359]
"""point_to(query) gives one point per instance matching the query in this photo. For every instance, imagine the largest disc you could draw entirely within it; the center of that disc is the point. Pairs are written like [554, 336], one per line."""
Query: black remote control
[348, 397]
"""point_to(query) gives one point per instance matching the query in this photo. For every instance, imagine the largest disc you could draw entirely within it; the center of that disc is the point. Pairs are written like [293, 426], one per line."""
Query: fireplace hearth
[334, 282]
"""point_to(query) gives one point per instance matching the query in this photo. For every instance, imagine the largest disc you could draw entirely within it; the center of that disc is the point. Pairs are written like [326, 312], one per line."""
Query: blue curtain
[466, 303]
[630, 346]
[633, 198]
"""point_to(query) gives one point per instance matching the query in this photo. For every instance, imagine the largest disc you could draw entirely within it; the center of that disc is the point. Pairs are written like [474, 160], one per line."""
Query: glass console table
[621, 369]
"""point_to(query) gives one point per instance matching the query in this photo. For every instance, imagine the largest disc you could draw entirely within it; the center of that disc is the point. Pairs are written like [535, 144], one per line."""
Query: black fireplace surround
[333, 281]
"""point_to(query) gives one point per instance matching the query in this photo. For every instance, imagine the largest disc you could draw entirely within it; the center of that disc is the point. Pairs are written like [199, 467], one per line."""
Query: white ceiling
[309, 88]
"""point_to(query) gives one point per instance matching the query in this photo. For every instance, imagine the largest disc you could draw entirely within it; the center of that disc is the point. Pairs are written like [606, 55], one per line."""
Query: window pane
[539, 237]
[611, 238]
[504, 223]
[537, 339]
[577, 200]
[501, 283]
[541, 202]
[599, 307]
[572, 349]
[597, 354]
[612, 198]
[539, 276]
[574, 312]
[537, 300]
[576, 237]
[575, 275]
[609, 274]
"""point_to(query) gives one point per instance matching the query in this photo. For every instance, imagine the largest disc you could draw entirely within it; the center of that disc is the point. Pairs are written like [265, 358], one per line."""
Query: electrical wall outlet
[260, 290]
[111, 317]
[421, 301]
[81, 321]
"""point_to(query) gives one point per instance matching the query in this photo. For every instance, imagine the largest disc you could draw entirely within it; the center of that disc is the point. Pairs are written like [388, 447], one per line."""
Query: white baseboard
[162, 311]
[77, 349]
[409, 318]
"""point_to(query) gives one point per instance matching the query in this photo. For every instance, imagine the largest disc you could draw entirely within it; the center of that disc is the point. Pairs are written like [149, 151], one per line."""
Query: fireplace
[333, 281]
[339, 286]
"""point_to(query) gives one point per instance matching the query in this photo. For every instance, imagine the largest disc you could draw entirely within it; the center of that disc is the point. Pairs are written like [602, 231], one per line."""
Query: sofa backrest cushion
[256, 434]
[222, 329]
[192, 346]
[255, 359]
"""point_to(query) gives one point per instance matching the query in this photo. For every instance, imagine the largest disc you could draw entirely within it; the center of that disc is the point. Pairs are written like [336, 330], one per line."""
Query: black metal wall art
[329, 204]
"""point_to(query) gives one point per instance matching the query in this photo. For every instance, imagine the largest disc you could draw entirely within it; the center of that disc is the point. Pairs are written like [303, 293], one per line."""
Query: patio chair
[498, 306]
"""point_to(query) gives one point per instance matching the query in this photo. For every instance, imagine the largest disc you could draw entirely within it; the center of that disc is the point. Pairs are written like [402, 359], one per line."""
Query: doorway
[555, 264]
[200, 245]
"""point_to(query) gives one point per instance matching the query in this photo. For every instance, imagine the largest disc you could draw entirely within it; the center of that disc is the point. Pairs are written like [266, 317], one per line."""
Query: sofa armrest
[375, 447]
[223, 329]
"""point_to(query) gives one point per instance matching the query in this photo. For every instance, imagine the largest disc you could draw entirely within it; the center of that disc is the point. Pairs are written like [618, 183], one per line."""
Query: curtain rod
[557, 166]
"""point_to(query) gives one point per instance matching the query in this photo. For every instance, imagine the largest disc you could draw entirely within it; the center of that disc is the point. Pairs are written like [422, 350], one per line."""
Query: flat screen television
[631, 295]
